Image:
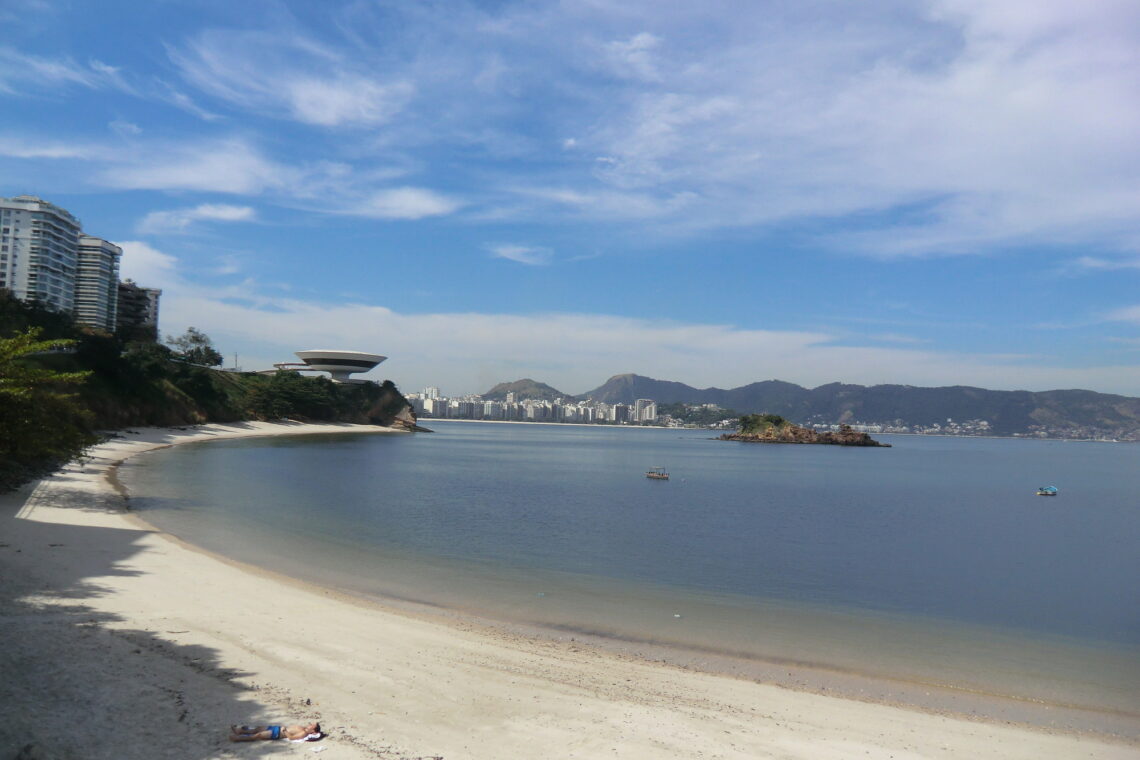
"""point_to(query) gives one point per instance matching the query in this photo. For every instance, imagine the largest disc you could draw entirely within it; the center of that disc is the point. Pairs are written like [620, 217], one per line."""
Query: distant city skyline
[932, 193]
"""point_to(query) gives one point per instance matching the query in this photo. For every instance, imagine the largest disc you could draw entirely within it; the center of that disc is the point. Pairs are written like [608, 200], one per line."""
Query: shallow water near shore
[885, 573]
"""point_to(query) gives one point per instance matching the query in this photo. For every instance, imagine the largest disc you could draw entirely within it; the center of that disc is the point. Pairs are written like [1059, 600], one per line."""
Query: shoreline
[711, 430]
[220, 642]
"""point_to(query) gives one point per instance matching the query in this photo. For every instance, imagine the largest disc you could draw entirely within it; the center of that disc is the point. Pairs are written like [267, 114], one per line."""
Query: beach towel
[309, 738]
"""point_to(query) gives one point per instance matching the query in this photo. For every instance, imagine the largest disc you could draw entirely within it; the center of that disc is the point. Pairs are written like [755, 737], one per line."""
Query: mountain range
[1057, 413]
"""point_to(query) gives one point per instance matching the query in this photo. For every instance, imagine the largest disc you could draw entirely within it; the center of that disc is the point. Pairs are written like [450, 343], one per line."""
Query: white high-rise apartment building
[39, 250]
[97, 283]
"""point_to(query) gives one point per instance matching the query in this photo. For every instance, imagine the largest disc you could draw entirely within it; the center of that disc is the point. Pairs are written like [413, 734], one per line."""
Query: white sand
[119, 642]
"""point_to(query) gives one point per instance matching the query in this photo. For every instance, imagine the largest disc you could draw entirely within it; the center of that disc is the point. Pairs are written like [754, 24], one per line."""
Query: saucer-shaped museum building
[340, 364]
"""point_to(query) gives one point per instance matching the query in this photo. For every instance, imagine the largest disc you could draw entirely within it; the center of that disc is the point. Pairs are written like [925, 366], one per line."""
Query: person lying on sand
[309, 733]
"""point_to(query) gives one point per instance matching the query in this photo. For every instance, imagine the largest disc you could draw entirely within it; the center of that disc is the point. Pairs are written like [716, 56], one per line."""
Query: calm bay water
[932, 561]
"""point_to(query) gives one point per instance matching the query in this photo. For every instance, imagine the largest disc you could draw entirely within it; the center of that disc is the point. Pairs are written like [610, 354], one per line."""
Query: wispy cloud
[1130, 314]
[168, 94]
[897, 338]
[1006, 127]
[291, 74]
[944, 126]
[180, 220]
[523, 254]
[403, 203]
[29, 148]
[1103, 264]
[125, 128]
[225, 166]
[20, 71]
[635, 57]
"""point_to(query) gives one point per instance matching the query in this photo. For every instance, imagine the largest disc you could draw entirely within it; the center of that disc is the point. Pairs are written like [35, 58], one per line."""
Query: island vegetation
[61, 383]
[772, 428]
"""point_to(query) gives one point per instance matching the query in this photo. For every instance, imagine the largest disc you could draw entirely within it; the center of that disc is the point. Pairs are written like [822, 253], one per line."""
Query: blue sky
[926, 192]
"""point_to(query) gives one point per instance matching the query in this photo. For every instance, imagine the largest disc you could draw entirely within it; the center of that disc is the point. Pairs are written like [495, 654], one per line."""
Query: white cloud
[125, 128]
[147, 266]
[292, 74]
[634, 57]
[405, 203]
[1096, 263]
[24, 71]
[999, 123]
[940, 126]
[348, 100]
[897, 338]
[523, 254]
[168, 94]
[20, 147]
[1130, 314]
[461, 351]
[179, 220]
[469, 352]
[222, 166]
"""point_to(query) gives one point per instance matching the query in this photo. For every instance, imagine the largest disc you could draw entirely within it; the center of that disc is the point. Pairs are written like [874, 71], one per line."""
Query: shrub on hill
[42, 425]
[758, 423]
[51, 400]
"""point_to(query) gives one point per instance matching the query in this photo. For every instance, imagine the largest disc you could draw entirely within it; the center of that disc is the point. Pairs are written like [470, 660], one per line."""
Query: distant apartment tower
[431, 392]
[39, 249]
[97, 283]
[137, 317]
[645, 410]
[436, 407]
[620, 413]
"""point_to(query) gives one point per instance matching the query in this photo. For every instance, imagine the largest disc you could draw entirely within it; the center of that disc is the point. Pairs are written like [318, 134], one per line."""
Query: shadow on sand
[75, 683]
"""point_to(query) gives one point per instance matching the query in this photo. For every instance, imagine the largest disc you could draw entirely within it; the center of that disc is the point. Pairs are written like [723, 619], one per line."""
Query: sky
[923, 192]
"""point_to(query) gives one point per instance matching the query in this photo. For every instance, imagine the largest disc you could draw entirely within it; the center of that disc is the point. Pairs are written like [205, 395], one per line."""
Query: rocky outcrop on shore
[789, 433]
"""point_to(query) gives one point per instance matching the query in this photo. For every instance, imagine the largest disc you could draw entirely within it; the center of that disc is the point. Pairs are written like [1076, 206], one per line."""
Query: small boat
[1047, 491]
[657, 473]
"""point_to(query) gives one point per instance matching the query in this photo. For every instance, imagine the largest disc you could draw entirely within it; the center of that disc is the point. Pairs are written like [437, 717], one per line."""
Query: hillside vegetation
[60, 383]
[525, 388]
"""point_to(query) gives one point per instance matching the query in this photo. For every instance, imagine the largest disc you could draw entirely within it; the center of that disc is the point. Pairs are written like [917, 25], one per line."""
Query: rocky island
[772, 428]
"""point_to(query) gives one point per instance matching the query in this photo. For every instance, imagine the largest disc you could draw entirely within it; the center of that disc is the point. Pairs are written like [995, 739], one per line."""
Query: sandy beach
[122, 642]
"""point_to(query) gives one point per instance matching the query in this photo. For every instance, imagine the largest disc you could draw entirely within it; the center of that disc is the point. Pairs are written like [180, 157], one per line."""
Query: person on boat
[296, 733]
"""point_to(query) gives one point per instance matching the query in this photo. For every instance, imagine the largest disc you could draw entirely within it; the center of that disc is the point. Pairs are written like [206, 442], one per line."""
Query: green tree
[41, 424]
[289, 394]
[194, 346]
[757, 423]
